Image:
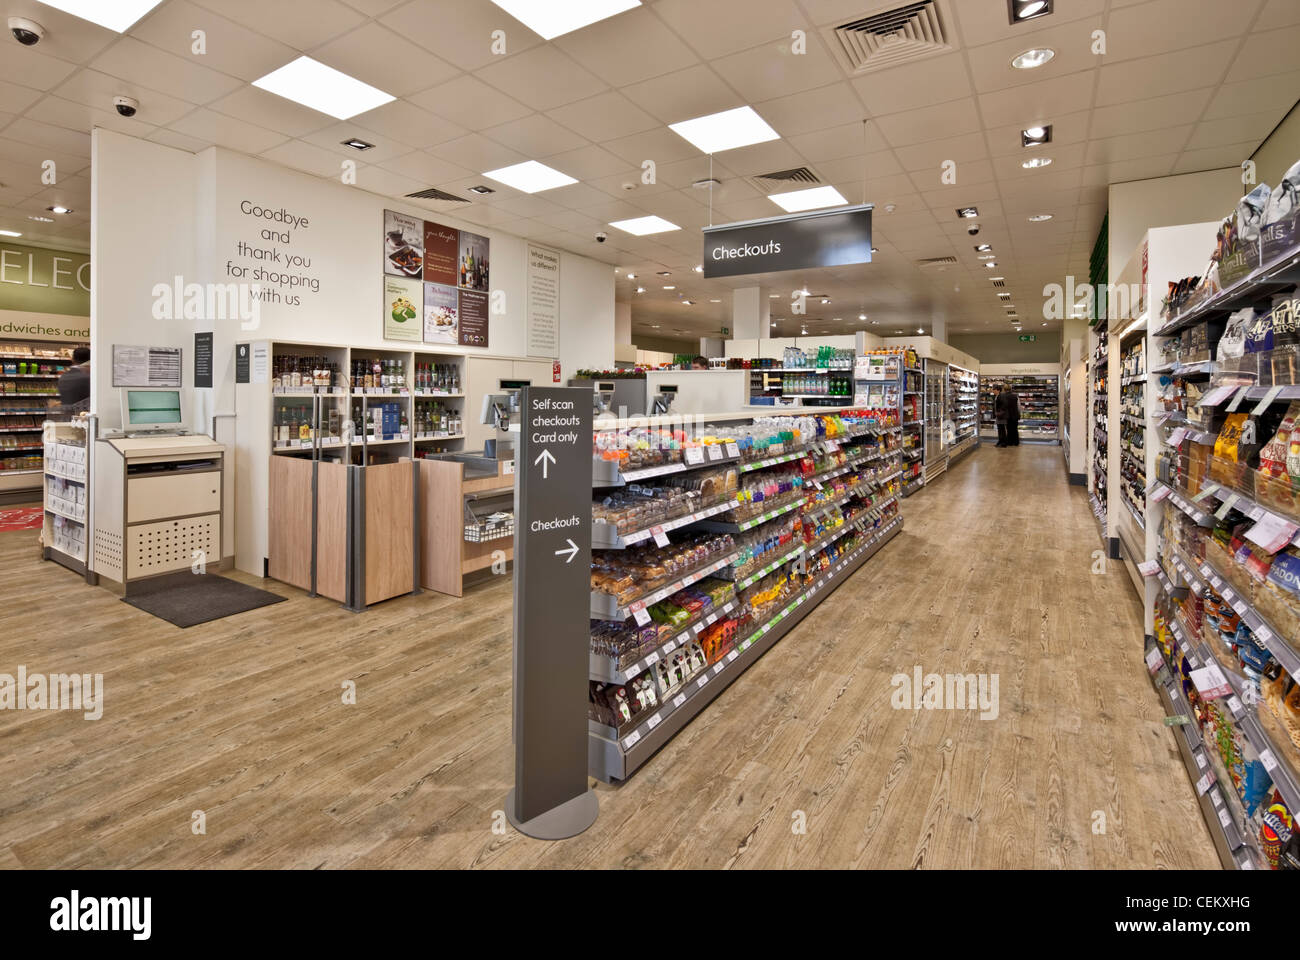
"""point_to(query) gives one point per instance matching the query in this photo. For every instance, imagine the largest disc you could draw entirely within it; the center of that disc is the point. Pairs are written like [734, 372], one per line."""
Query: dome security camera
[601, 237]
[27, 32]
[973, 229]
[126, 106]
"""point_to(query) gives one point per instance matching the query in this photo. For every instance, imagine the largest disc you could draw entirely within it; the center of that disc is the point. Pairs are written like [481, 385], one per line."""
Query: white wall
[159, 212]
[1142, 205]
[141, 234]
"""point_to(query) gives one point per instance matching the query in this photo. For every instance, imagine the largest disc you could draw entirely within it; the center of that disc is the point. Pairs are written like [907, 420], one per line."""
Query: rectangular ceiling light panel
[323, 88]
[726, 130]
[115, 14]
[554, 18]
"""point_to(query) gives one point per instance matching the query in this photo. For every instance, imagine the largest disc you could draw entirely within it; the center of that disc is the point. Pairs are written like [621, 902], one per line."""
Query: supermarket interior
[779, 434]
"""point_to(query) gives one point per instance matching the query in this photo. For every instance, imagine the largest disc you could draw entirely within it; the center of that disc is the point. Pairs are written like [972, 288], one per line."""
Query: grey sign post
[552, 799]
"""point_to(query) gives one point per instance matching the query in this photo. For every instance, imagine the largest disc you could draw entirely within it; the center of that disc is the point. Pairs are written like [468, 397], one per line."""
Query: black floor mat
[187, 599]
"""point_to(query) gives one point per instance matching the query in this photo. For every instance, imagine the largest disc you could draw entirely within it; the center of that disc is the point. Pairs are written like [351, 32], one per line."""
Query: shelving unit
[1040, 408]
[842, 511]
[66, 498]
[936, 410]
[913, 428]
[1133, 439]
[1099, 426]
[963, 410]
[29, 375]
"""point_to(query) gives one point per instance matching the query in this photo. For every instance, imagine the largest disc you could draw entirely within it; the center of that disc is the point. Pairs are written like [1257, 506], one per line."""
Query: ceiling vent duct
[904, 34]
[936, 262]
[783, 180]
[435, 194]
[999, 283]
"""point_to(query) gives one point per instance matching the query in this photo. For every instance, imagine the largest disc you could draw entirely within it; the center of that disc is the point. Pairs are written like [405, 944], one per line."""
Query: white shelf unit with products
[1038, 388]
[913, 422]
[936, 412]
[1098, 430]
[714, 551]
[963, 411]
[67, 501]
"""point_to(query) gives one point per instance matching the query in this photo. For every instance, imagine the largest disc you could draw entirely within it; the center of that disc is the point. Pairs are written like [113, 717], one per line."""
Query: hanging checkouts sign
[552, 594]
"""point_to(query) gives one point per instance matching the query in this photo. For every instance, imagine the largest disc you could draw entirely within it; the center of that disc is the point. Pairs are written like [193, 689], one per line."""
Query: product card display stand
[67, 501]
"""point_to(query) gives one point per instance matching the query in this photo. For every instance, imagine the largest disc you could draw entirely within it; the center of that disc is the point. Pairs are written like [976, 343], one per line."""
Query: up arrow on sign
[545, 459]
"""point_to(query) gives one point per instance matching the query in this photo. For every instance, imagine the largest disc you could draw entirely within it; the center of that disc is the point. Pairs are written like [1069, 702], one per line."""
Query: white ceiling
[1186, 85]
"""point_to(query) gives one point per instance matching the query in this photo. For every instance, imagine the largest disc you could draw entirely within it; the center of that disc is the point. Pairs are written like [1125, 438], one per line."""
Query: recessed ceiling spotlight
[1044, 323]
[481, 189]
[986, 256]
[826, 299]
[57, 209]
[813, 198]
[920, 330]
[669, 286]
[708, 183]
[875, 249]
[689, 303]
[631, 276]
[727, 130]
[862, 316]
[804, 292]
[968, 213]
[699, 268]
[1036, 136]
[983, 248]
[550, 20]
[773, 296]
[992, 265]
[664, 273]
[1040, 218]
[1021, 10]
[1033, 163]
[357, 144]
[41, 219]
[715, 301]
[643, 226]
[640, 289]
[323, 88]
[117, 15]
[530, 177]
[1004, 296]
[996, 279]
[1032, 59]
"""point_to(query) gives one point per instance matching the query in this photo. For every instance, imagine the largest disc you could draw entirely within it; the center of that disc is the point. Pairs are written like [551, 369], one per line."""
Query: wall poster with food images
[472, 270]
[440, 312]
[403, 245]
[403, 307]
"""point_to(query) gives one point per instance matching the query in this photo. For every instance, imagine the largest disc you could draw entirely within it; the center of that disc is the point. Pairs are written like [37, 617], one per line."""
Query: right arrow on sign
[545, 459]
[572, 551]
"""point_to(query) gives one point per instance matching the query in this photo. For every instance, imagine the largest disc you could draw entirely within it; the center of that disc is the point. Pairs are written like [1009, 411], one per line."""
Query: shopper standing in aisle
[74, 384]
[1000, 415]
[1011, 407]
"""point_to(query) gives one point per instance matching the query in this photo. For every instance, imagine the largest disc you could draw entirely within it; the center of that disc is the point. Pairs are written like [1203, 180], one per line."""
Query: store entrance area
[233, 744]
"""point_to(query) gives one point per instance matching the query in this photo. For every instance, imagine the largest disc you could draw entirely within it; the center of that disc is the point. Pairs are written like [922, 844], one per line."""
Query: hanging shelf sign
[821, 238]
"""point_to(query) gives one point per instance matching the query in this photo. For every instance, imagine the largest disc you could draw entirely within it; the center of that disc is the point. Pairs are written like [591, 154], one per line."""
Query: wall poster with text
[403, 309]
[441, 311]
[472, 271]
[403, 245]
[473, 318]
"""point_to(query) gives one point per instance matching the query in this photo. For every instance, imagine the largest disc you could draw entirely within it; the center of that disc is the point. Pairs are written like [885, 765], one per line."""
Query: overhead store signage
[552, 600]
[1028, 337]
[825, 238]
[36, 280]
[436, 282]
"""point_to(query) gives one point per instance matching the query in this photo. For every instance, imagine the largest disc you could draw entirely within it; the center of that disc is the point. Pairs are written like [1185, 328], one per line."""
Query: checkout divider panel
[390, 522]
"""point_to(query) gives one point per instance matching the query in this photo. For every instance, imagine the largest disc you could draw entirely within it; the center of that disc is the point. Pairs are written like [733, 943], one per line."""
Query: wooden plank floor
[243, 719]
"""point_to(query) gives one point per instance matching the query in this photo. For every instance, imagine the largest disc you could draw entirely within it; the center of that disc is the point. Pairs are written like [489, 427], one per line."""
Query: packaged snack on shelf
[1278, 598]
[1250, 778]
[1277, 826]
[1281, 694]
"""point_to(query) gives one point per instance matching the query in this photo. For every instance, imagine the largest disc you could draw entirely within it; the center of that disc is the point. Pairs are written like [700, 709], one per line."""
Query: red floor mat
[21, 518]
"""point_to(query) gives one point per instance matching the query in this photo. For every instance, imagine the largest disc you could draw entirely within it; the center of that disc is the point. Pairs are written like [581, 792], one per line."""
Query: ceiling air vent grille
[783, 179]
[892, 37]
[999, 283]
[435, 194]
[936, 262]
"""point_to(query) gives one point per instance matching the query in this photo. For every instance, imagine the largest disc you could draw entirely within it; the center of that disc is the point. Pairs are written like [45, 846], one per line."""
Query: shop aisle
[244, 721]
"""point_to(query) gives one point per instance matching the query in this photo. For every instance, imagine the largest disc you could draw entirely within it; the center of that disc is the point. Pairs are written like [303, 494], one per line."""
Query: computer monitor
[151, 409]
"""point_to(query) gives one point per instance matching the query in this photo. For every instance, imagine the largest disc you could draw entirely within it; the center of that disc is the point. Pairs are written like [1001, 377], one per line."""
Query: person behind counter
[74, 383]
[699, 363]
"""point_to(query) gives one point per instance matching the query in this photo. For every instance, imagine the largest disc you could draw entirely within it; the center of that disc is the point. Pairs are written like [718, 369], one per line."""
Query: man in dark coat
[1006, 410]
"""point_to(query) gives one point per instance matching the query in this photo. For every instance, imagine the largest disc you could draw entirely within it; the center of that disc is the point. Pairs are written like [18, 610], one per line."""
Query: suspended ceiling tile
[1134, 146]
[1159, 26]
[78, 117]
[1041, 103]
[241, 51]
[932, 155]
[461, 31]
[835, 143]
[27, 68]
[629, 47]
[990, 64]
[684, 95]
[929, 124]
[543, 78]
[180, 141]
[771, 71]
[1124, 171]
[256, 106]
[386, 183]
[721, 27]
[1215, 158]
[470, 102]
[477, 153]
[606, 116]
[661, 146]
[1278, 94]
[1127, 80]
[302, 24]
[986, 21]
[913, 86]
[403, 121]
[217, 128]
[1278, 13]
[306, 157]
[1266, 55]
[1072, 128]
[14, 99]
[535, 136]
[590, 163]
[153, 69]
[1152, 114]
[94, 89]
[384, 59]
[420, 165]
